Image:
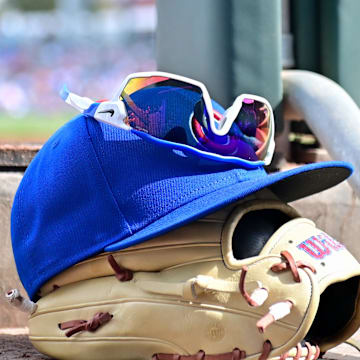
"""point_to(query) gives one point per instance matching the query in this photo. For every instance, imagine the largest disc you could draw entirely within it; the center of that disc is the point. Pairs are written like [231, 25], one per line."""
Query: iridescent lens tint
[174, 110]
[248, 137]
[162, 107]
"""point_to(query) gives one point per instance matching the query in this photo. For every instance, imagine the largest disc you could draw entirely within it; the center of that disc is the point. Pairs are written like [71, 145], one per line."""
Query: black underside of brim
[309, 183]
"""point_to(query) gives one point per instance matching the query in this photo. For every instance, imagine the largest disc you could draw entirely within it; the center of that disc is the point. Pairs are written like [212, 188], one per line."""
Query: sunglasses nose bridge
[230, 115]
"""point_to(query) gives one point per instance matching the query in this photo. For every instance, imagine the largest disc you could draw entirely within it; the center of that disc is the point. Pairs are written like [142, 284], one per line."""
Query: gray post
[233, 46]
[194, 40]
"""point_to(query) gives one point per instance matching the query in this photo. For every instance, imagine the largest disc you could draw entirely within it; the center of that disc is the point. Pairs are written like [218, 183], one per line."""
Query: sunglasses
[178, 112]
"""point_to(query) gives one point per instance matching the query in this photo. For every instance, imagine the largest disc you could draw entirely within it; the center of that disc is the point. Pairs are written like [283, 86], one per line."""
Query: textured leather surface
[184, 296]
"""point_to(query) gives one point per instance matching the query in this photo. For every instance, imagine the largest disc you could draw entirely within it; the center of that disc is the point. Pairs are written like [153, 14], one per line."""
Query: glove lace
[91, 325]
[269, 318]
[236, 354]
[289, 263]
[293, 265]
[121, 273]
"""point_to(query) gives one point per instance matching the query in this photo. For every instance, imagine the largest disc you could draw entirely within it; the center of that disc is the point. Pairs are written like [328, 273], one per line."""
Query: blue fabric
[94, 188]
[171, 121]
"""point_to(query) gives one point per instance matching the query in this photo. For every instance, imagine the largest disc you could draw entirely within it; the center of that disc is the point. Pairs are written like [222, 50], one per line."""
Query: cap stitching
[204, 186]
[180, 205]
[106, 179]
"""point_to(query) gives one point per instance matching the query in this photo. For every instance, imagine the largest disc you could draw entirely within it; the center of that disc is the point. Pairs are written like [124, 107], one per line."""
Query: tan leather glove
[187, 295]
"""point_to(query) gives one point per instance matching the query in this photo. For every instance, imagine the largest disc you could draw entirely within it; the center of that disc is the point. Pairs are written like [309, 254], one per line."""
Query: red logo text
[320, 246]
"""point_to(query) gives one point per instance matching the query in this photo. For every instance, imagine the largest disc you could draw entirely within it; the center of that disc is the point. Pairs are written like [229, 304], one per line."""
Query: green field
[30, 129]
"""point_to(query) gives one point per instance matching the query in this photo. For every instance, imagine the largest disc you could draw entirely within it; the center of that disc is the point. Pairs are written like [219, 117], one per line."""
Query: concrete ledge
[17, 155]
[18, 347]
[9, 316]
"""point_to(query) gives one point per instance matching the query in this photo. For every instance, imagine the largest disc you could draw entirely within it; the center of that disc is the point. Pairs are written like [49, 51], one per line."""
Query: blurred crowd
[91, 52]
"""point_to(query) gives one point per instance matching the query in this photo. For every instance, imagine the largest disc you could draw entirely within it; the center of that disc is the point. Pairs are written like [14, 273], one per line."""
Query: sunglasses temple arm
[80, 103]
[112, 113]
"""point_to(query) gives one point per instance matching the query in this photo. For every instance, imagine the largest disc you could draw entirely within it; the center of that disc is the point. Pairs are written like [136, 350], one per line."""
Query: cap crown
[92, 185]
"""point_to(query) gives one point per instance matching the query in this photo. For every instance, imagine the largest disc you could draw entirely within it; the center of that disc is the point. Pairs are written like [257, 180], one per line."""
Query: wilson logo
[320, 246]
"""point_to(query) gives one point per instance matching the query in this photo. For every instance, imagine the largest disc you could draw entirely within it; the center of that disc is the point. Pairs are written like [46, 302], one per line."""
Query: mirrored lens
[174, 110]
[163, 107]
[248, 137]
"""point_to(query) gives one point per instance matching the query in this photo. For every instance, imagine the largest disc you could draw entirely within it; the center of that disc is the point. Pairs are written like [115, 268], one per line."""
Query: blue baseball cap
[94, 188]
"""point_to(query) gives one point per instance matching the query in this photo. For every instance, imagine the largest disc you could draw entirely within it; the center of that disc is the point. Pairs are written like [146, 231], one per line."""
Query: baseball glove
[256, 282]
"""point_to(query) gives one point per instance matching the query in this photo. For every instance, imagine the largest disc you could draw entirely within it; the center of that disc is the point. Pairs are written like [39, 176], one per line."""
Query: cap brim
[288, 186]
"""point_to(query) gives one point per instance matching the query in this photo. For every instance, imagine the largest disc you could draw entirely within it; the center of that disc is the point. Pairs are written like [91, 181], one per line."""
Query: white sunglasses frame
[114, 112]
